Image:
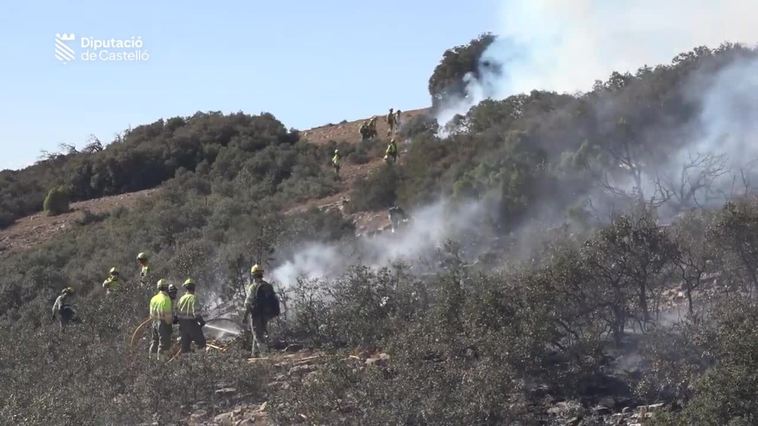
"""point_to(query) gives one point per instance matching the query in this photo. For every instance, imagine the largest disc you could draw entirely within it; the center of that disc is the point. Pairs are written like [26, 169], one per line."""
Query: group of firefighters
[368, 127]
[368, 131]
[261, 305]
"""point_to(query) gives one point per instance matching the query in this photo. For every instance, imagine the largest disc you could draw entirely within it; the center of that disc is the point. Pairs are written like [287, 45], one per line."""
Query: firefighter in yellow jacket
[337, 162]
[144, 271]
[112, 283]
[162, 314]
[191, 320]
[390, 155]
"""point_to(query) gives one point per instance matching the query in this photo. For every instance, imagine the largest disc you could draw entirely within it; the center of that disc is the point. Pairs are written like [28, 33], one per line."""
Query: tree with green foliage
[448, 79]
[57, 201]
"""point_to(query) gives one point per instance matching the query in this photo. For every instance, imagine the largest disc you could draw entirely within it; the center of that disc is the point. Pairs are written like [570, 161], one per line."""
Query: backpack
[266, 301]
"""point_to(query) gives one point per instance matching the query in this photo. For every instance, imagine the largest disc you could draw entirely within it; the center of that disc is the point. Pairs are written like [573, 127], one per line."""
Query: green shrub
[57, 202]
[377, 191]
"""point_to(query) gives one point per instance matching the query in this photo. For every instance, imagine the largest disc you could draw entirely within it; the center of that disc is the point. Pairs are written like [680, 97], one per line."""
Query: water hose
[139, 330]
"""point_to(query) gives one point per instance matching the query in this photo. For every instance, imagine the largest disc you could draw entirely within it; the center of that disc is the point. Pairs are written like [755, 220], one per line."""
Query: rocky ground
[293, 364]
[571, 413]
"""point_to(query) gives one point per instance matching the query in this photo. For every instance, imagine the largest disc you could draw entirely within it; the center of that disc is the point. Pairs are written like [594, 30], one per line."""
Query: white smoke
[428, 229]
[719, 152]
[566, 45]
[729, 116]
[314, 261]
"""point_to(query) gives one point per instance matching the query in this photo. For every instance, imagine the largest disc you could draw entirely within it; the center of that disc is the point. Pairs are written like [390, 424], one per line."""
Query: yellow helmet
[162, 285]
[68, 290]
[188, 282]
[113, 271]
[142, 256]
[256, 269]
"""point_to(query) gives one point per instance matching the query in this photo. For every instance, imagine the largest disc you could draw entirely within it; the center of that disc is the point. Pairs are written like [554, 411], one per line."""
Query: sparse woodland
[616, 266]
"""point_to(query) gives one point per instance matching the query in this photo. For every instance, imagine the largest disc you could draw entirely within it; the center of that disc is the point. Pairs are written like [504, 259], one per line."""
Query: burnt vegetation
[614, 307]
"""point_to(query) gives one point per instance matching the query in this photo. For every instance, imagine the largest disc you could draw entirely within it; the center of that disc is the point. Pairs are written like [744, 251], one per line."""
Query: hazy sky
[308, 63]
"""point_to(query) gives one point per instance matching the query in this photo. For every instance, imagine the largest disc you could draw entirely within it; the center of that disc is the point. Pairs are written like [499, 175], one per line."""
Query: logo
[69, 48]
[64, 52]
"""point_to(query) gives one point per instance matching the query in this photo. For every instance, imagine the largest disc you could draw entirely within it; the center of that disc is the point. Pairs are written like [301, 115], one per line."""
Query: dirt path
[350, 131]
[366, 222]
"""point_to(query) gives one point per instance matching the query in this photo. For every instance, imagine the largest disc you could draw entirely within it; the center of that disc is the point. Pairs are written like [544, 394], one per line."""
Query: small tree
[57, 201]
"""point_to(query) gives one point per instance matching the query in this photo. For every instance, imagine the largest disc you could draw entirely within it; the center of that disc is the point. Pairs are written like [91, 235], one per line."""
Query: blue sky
[308, 63]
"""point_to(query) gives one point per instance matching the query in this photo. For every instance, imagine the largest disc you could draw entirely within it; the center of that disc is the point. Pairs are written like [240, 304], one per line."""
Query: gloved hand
[201, 322]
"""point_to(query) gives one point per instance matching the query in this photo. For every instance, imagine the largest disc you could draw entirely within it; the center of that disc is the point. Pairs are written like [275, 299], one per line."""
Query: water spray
[223, 330]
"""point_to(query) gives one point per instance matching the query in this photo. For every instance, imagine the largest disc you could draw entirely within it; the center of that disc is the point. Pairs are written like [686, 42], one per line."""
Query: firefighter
[364, 130]
[144, 269]
[63, 309]
[112, 283]
[372, 127]
[391, 123]
[390, 155]
[161, 313]
[336, 161]
[397, 119]
[172, 292]
[191, 322]
[262, 305]
[397, 217]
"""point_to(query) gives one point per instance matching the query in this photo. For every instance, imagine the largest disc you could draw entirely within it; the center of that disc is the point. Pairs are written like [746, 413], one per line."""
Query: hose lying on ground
[140, 328]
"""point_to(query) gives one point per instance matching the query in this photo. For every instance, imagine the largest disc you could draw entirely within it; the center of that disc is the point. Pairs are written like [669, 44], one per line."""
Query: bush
[56, 202]
[88, 217]
[377, 191]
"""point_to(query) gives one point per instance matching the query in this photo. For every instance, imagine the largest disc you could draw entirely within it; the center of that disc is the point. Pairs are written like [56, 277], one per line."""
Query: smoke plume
[428, 229]
[565, 45]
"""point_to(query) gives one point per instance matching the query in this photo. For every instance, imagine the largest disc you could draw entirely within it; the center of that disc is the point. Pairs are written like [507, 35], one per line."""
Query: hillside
[349, 131]
[38, 228]
[578, 259]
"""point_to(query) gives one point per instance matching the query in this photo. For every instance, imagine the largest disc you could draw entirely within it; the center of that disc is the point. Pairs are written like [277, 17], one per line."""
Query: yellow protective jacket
[111, 283]
[189, 307]
[161, 309]
[143, 273]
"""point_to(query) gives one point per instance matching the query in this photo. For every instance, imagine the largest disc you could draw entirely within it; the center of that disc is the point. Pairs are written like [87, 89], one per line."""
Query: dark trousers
[65, 315]
[190, 331]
